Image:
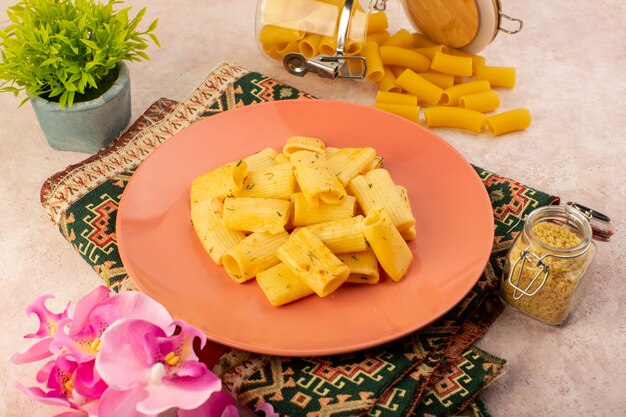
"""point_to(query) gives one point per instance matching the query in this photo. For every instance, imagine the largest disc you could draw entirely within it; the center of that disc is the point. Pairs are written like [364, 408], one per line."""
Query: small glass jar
[545, 268]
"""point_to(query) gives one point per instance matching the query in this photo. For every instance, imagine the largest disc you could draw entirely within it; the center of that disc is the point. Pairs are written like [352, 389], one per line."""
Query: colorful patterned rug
[434, 372]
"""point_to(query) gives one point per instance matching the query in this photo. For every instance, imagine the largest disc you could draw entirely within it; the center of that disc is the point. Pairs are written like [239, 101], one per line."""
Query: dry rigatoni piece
[219, 182]
[281, 286]
[315, 178]
[256, 214]
[307, 257]
[305, 213]
[347, 163]
[363, 266]
[388, 245]
[255, 253]
[341, 236]
[206, 216]
[377, 189]
[276, 181]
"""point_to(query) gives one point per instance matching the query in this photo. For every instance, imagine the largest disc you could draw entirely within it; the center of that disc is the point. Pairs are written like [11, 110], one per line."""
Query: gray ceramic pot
[90, 125]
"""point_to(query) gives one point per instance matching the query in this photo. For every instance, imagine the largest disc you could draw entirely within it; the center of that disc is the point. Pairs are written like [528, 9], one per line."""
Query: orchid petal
[135, 305]
[50, 398]
[77, 413]
[47, 319]
[44, 372]
[85, 305]
[183, 341]
[268, 409]
[182, 393]
[37, 352]
[79, 346]
[219, 404]
[122, 361]
[87, 382]
[191, 369]
[115, 403]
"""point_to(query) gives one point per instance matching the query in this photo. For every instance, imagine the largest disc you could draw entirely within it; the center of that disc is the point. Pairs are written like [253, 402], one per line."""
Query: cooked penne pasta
[307, 257]
[441, 80]
[420, 87]
[219, 182]
[375, 164]
[303, 143]
[497, 76]
[276, 181]
[455, 117]
[409, 112]
[393, 55]
[310, 45]
[411, 232]
[330, 151]
[363, 266]
[305, 213]
[316, 180]
[255, 253]
[452, 95]
[378, 37]
[377, 22]
[206, 216]
[281, 158]
[482, 102]
[388, 82]
[451, 64]
[401, 39]
[396, 98]
[341, 236]
[375, 70]
[388, 245]
[347, 163]
[377, 189]
[281, 286]
[262, 159]
[508, 121]
[256, 214]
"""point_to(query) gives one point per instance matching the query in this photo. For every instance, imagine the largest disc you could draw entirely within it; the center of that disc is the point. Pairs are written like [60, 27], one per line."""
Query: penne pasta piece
[363, 266]
[303, 143]
[271, 34]
[262, 159]
[508, 121]
[410, 233]
[420, 87]
[393, 55]
[409, 112]
[388, 82]
[219, 182]
[281, 286]
[284, 48]
[347, 163]
[310, 45]
[255, 253]
[378, 37]
[375, 70]
[458, 79]
[280, 158]
[330, 151]
[497, 76]
[206, 216]
[396, 70]
[429, 51]
[276, 181]
[482, 102]
[451, 64]
[388, 245]
[341, 236]
[454, 117]
[377, 189]
[400, 39]
[452, 95]
[256, 214]
[377, 22]
[305, 213]
[316, 180]
[476, 59]
[396, 98]
[441, 80]
[375, 164]
[328, 45]
[355, 48]
[421, 41]
[307, 257]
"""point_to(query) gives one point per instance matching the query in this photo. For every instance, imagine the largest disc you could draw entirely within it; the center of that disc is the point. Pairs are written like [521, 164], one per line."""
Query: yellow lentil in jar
[552, 303]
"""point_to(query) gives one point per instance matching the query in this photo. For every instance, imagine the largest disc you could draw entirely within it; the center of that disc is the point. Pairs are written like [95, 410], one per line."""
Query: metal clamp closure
[330, 66]
[544, 270]
[519, 23]
[601, 226]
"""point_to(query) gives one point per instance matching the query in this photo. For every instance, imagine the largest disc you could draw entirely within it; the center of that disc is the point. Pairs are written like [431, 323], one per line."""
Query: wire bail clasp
[544, 271]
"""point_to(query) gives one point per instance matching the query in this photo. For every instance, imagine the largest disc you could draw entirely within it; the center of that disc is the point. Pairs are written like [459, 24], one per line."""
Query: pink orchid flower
[150, 370]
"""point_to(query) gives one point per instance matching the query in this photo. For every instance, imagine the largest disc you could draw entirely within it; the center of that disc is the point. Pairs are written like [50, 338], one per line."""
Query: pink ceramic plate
[166, 260]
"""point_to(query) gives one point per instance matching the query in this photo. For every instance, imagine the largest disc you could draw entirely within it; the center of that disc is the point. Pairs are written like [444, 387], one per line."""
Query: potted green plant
[68, 57]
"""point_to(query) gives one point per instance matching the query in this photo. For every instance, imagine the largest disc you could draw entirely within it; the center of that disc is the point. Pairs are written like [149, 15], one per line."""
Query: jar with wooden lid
[548, 264]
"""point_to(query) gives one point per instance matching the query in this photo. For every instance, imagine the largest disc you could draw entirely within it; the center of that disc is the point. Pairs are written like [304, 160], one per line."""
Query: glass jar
[545, 268]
